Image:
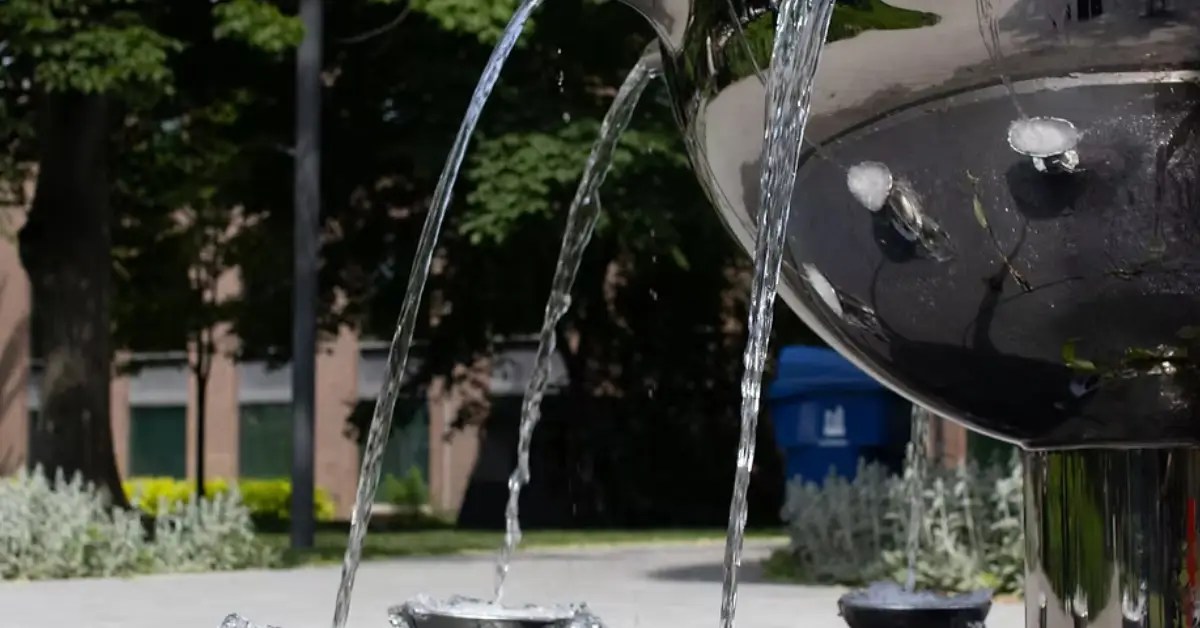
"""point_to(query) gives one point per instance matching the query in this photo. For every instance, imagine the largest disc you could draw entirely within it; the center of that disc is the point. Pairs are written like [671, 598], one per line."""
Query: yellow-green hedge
[265, 498]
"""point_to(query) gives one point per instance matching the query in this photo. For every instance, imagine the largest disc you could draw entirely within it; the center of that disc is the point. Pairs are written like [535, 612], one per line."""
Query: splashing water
[415, 612]
[989, 29]
[234, 620]
[918, 462]
[800, 32]
[1042, 137]
[870, 182]
[581, 222]
[381, 420]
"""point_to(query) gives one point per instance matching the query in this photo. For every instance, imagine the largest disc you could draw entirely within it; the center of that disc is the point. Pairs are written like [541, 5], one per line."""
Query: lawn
[330, 545]
[852, 19]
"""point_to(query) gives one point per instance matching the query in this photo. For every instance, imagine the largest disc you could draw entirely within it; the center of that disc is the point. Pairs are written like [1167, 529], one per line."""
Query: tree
[84, 68]
[174, 249]
[654, 337]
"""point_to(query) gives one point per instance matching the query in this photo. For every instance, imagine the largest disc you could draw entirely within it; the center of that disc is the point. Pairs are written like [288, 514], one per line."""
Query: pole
[304, 308]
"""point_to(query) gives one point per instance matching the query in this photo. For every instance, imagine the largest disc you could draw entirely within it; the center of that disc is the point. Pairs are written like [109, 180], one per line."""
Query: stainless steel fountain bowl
[463, 612]
[1037, 287]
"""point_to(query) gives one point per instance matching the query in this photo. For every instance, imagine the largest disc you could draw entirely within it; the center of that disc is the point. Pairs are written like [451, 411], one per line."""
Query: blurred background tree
[161, 122]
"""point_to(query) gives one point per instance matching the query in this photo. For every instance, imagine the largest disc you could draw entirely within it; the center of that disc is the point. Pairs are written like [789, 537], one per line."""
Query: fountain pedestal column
[1110, 538]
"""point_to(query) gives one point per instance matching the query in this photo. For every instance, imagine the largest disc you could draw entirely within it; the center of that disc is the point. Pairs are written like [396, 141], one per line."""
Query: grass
[781, 567]
[330, 545]
[852, 19]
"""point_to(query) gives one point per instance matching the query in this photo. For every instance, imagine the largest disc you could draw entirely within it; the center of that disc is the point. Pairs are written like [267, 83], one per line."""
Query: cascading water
[581, 222]
[381, 420]
[799, 35]
[989, 29]
[918, 462]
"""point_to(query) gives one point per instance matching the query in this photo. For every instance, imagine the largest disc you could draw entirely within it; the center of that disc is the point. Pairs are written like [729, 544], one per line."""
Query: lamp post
[304, 306]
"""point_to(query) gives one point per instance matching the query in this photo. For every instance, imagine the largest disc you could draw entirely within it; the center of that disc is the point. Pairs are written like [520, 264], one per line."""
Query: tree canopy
[170, 123]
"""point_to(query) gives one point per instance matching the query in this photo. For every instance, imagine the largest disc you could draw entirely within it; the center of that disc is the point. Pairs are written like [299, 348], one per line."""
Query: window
[265, 440]
[408, 446]
[158, 441]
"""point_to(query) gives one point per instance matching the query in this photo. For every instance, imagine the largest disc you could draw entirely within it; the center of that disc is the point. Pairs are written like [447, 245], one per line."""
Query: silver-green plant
[65, 528]
[853, 532]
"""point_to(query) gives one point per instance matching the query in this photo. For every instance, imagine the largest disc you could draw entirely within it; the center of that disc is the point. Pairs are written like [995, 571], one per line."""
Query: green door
[265, 440]
[158, 441]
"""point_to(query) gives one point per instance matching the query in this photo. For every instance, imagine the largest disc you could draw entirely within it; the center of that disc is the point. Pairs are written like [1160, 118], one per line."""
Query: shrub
[267, 499]
[409, 492]
[64, 528]
[853, 532]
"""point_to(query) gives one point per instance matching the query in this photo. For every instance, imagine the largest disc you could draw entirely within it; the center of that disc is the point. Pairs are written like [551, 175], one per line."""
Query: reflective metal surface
[1110, 538]
[1047, 297]
[890, 605]
[461, 612]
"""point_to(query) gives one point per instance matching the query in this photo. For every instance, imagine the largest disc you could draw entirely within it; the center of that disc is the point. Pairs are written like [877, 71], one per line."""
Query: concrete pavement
[631, 587]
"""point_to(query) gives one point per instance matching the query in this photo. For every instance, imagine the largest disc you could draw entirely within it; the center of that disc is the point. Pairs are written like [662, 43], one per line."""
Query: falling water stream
[800, 32]
[989, 29]
[1036, 137]
[918, 462]
[385, 405]
[581, 221]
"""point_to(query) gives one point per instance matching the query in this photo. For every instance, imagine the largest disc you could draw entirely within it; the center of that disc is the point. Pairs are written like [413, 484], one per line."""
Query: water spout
[385, 404]
[582, 216]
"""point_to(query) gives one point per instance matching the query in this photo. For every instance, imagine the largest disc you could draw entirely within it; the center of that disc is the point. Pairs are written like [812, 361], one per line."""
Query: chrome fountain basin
[888, 605]
[1057, 313]
[1039, 288]
[464, 612]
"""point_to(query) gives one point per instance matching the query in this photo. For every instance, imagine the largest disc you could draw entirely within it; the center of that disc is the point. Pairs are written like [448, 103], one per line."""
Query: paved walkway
[632, 587]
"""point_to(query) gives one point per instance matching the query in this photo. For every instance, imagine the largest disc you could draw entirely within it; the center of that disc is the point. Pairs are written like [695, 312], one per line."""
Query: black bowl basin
[1065, 315]
[921, 609]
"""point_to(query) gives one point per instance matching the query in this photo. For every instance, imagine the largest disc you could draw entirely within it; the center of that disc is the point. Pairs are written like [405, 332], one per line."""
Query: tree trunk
[65, 248]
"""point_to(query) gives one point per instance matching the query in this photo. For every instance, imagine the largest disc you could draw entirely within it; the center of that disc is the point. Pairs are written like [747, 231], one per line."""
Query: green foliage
[266, 500]
[65, 529]
[850, 19]
[484, 19]
[853, 533]
[89, 46]
[260, 24]
[409, 492]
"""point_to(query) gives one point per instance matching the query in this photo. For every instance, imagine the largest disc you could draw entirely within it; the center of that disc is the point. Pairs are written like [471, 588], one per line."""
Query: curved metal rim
[955, 603]
[548, 616]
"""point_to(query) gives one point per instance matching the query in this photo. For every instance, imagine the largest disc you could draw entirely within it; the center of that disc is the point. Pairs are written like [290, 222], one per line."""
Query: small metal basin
[464, 612]
[889, 606]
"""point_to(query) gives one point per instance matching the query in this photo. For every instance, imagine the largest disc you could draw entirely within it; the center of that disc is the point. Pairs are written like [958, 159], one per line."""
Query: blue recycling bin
[828, 414]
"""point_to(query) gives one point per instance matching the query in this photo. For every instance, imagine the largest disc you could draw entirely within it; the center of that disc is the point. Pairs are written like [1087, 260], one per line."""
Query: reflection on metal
[1050, 142]
[463, 612]
[1109, 538]
[908, 216]
[975, 336]
[871, 184]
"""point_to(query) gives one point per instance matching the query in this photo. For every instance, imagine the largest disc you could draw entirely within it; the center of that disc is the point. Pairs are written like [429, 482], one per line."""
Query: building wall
[348, 372]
